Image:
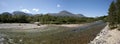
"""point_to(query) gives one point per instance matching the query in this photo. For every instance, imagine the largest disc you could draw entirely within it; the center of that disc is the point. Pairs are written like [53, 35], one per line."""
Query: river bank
[107, 36]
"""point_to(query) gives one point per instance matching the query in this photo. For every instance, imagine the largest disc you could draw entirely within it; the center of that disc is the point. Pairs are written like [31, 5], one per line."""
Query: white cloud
[25, 10]
[36, 10]
[58, 5]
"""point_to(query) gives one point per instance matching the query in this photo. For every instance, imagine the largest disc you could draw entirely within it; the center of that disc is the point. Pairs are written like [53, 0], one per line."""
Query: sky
[90, 8]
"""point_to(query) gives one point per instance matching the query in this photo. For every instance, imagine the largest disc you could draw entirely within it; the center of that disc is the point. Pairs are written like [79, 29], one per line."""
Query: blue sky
[90, 8]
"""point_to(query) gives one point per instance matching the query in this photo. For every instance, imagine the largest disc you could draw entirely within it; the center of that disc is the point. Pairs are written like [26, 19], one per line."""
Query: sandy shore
[31, 26]
[71, 25]
[107, 36]
[20, 25]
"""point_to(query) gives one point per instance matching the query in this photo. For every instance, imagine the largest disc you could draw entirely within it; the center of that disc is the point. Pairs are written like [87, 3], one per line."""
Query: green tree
[6, 17]
[112, 17]
[20, 18]
[118, 11]
[114, 14]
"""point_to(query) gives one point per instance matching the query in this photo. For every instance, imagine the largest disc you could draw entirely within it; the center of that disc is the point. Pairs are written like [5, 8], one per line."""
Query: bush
[112, 27]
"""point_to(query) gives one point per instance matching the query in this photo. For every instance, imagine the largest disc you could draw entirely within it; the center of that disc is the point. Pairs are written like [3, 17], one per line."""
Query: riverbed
[52, 34]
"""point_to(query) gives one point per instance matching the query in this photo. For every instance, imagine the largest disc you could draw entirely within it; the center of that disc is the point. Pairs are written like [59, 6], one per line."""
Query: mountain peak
[20, 13]
[66, 13]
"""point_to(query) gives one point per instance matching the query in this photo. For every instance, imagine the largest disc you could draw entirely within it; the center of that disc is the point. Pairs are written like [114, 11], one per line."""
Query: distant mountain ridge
[20, 13]
[66, 13]
[61, 13]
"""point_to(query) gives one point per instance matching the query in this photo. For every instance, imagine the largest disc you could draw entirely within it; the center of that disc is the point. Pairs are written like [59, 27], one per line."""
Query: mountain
[20, 13]
[6, 13]
[66, 13]
[61, 13]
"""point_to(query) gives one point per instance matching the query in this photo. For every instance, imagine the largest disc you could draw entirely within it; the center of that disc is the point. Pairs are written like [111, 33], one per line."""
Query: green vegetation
[45, 19]
[114, 14]
[103, 18]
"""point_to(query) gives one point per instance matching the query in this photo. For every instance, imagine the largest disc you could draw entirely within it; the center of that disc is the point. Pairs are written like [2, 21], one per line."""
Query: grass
[56, 35]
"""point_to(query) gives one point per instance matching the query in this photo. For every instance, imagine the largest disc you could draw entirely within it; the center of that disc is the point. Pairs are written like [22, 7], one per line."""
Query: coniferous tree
[112, 15]
[118, 11]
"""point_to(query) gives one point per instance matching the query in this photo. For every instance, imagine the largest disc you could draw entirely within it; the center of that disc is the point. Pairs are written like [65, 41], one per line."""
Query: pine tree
[112, 15]
[118, 11]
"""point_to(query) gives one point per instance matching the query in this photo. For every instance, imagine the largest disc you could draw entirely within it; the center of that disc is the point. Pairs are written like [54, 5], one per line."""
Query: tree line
[114, 14]
[44, 19]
